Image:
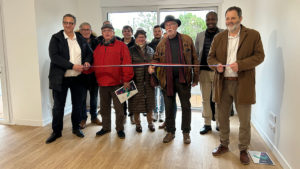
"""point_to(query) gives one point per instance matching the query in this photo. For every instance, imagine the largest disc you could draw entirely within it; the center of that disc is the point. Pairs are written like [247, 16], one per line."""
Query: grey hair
[235, 8]
[70, 15]
[106, 21]
[85, 23]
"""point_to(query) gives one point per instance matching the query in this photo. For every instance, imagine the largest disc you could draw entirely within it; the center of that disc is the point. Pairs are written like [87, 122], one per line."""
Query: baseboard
[41, 123]
[68, 110]
[283, 162]
[28, 122]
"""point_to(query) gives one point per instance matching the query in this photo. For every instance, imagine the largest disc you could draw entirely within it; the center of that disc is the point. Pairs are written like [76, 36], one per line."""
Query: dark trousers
[93, 90]
[184, 93]
[59, 97]
[107, 93]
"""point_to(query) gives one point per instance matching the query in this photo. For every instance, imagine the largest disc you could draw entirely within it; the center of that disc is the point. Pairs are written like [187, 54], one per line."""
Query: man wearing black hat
[176, 49]
[111, 51]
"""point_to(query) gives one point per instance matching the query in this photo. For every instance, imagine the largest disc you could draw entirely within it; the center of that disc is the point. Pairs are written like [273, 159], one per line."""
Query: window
[144, 20]
[192, 22]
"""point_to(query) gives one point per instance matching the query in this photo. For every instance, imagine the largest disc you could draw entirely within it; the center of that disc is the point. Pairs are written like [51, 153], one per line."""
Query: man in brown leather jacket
[176, 49]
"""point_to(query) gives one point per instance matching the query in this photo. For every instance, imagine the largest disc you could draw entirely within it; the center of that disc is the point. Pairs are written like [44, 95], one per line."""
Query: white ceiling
[130, 3]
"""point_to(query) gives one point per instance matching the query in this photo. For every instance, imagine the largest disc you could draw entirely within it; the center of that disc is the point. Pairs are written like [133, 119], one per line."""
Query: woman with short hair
[143, 101]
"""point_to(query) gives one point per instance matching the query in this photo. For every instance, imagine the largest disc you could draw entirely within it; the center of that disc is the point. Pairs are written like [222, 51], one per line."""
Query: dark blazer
[131, 43]
[59, 56]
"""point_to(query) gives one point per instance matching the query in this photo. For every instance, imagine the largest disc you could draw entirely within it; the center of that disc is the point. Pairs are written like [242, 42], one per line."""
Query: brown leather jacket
[190, 56]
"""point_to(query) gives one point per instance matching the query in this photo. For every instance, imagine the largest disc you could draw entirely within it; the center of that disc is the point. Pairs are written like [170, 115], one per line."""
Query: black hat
[170, 18]
[107, 26]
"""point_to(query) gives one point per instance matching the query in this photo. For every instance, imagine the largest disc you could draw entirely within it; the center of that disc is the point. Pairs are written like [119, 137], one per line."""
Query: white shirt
[75, 55]
[232, 47]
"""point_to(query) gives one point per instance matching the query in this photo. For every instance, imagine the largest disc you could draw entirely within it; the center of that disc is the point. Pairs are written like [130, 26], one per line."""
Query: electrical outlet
[273, 118]
[272, 127]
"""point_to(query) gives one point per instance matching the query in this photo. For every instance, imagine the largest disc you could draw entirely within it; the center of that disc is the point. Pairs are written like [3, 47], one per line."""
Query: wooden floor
[24, 147]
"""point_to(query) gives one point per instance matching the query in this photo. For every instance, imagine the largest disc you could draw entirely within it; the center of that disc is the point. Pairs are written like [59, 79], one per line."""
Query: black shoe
[78, 133]
[138, 128]
[161, 117]
[151, 127]
[205, 129]
[102, 132]
[121, 134]
[53, 137]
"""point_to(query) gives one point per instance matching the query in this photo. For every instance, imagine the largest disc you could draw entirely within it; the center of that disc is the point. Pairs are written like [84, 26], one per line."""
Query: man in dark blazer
[206, 75]
[70, 55]
[241, 49]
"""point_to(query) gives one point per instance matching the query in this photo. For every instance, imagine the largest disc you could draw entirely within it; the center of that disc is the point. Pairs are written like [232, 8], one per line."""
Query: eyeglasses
[109, 30]
[85, 30]
[68, 23]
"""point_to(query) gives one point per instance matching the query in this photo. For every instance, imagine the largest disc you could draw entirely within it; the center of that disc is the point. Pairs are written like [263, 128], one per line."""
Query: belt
[231, 78]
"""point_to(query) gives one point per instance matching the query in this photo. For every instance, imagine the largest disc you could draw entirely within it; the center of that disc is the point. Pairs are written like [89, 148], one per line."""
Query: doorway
[4, 103]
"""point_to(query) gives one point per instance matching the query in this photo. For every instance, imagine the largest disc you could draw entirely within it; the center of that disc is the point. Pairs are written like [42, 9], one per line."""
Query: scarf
[168, 53]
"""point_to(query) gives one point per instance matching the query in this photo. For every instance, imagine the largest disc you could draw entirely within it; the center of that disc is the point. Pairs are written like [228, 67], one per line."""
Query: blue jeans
[93, 88]
[159, 101]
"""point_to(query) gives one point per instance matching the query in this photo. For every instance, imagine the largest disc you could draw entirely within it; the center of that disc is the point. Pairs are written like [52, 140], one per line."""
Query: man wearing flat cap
[176, 49]
[111, 51]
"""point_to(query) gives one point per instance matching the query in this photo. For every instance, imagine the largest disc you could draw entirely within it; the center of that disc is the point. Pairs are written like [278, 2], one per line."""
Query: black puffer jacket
[143, 101]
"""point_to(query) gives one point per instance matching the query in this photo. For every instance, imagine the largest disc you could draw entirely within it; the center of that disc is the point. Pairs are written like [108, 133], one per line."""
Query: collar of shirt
[236, 36]
[67, 37]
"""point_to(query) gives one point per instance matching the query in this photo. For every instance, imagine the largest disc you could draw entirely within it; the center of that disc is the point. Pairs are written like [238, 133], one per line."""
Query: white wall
[28, 25]
[48, 17]
[90, 11]
[21, 54]
[277, 82]
[49, 21]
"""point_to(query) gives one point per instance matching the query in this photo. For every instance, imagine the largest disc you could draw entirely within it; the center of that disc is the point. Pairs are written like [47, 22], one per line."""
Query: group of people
[223, 61]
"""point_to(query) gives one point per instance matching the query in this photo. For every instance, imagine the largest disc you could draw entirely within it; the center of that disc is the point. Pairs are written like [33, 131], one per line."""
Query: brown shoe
[82, 124]
[96, 121]
[186, 138]
[151, 127]
[169, 137]
[132, 119]
[162, 126]
[244, 158]
[220, 150]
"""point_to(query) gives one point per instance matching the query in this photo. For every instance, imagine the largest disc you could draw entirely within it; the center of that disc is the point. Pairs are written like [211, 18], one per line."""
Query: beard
[234, 27]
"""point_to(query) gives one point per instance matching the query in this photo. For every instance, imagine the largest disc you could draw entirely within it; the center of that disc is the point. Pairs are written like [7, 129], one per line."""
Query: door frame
[7, 115]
